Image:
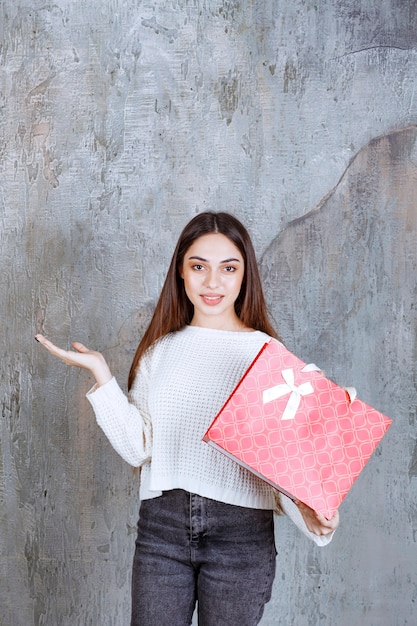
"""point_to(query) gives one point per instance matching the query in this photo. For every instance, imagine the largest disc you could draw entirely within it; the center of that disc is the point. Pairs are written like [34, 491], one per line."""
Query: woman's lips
[211, 299]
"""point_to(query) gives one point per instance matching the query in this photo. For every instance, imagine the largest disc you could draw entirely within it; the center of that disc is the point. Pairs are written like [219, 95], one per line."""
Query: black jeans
[192, 549]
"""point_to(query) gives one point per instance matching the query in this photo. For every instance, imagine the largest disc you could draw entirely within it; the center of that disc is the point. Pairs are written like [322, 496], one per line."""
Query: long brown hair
[173, 310]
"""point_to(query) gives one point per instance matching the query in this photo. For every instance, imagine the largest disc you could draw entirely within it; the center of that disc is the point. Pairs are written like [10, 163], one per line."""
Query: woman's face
[213, 271]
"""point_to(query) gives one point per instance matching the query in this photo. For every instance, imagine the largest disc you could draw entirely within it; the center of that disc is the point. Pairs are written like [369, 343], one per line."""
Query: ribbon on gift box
[273, 393]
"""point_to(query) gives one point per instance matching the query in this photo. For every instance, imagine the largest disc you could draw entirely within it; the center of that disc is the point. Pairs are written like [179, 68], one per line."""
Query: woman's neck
[234, 324]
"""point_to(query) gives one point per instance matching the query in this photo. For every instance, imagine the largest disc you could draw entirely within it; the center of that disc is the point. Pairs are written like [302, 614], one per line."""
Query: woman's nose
[211, 279]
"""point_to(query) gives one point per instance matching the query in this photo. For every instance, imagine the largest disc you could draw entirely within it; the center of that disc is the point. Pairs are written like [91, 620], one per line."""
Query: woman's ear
[180, 272]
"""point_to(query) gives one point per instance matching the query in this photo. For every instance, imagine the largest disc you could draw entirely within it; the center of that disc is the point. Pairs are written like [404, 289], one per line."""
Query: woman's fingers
[317, 523]
[81, 356]
[80, 347]
[329, 523]
[52, 348]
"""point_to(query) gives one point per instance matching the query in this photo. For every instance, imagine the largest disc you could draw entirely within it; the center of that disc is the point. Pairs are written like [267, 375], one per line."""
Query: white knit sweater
[181, 384]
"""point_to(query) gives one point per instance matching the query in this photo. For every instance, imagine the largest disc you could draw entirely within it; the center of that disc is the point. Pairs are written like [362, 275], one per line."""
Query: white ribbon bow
[273, 393]
[296, 392]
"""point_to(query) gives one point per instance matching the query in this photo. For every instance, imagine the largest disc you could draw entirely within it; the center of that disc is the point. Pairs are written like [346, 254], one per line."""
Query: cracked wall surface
[119, 121]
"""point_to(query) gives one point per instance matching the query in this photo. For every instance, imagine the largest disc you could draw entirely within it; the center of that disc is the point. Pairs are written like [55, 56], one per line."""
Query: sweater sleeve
[124, 420]
[292, 511]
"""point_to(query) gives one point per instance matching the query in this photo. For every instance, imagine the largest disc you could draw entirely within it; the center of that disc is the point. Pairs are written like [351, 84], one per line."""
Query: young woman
[205, 531]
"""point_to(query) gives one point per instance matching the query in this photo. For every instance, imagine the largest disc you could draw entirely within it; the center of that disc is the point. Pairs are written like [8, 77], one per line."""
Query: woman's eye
[230, 268]
[198, 267]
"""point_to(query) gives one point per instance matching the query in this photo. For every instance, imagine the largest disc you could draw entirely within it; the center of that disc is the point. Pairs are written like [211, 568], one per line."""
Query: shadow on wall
[341, 281]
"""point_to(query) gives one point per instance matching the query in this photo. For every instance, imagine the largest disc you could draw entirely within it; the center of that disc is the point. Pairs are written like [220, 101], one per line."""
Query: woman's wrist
[102, 373]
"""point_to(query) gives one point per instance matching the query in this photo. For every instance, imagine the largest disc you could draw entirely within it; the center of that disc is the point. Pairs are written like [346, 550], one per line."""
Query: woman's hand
[315, 522]
[80, 357]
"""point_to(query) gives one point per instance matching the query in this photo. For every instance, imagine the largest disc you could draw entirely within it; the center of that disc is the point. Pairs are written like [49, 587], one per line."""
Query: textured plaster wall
[119, 121]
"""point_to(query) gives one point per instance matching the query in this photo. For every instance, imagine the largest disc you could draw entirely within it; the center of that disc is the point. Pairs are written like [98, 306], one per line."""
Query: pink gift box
[297, 430]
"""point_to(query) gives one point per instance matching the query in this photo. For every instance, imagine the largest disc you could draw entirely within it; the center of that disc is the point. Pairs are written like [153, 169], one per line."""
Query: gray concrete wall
[119, 121]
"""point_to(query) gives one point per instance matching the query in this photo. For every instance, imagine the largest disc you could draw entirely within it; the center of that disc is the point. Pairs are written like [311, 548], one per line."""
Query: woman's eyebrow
[199, 258]
[232, 260]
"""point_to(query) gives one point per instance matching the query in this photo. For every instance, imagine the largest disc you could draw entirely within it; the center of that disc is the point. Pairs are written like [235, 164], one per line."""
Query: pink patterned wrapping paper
[297, 430]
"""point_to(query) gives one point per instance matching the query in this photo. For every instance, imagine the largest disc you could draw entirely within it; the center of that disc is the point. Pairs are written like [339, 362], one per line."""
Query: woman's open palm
[81, 356]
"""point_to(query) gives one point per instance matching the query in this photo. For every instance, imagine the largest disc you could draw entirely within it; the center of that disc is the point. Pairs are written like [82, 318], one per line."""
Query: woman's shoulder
[167, 343]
